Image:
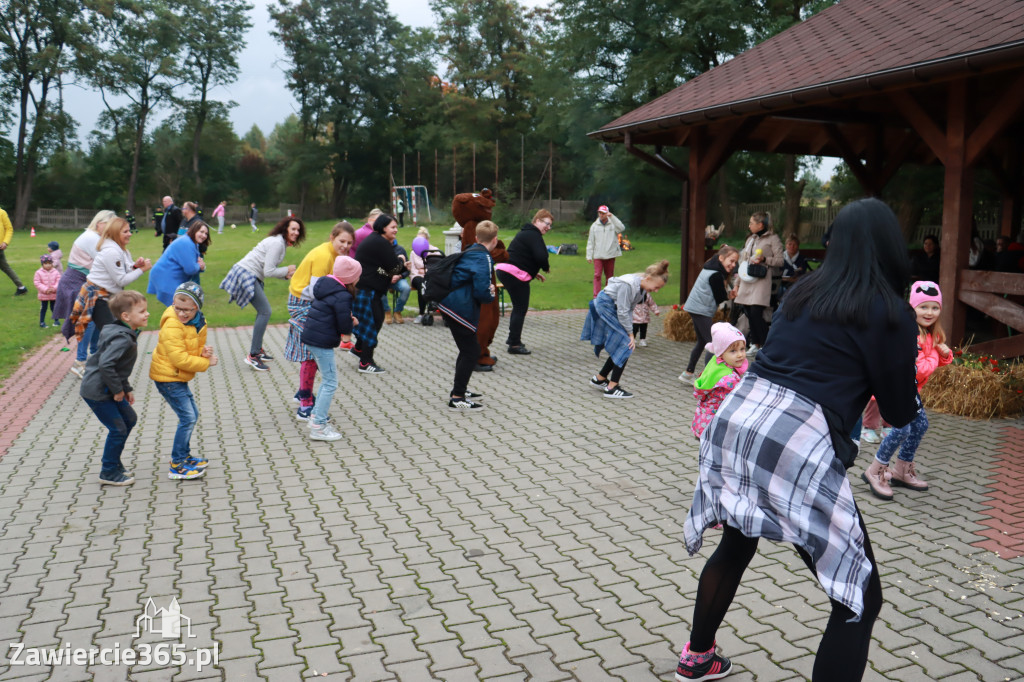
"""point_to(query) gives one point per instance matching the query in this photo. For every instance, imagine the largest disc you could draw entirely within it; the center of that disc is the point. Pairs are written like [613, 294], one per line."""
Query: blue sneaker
[120, 478]
[303, 413]
[197, 462]
[183, 472]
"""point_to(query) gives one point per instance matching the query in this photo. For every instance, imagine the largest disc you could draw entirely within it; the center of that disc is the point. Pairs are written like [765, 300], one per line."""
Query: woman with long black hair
[773, 462]
[381, 268]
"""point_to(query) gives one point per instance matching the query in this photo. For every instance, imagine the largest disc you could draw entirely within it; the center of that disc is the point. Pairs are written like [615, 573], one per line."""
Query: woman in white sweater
[112, 270]
[244, 281]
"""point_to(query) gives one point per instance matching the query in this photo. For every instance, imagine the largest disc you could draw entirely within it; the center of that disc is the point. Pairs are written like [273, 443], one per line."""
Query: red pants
[606, 265]
[872, 419]
[485, 329]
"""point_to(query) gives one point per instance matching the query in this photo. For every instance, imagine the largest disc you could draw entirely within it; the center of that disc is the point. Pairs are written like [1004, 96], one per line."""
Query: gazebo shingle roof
[853, 46]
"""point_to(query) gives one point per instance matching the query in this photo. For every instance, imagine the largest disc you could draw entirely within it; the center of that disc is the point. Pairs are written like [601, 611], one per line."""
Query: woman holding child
[773, 461]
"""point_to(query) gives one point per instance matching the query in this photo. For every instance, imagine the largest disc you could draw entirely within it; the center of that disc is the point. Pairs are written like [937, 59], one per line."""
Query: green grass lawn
[568, 285]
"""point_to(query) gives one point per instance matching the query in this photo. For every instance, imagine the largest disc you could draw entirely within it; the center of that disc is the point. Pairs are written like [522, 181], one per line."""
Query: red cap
[603, 209]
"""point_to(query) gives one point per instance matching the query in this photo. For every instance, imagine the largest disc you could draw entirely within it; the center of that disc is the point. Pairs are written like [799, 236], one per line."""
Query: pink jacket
[45, 280]
[709, 400]
[642, 311]
[929, 359]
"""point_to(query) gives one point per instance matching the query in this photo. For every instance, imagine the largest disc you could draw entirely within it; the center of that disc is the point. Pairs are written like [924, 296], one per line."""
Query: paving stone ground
[538, 540]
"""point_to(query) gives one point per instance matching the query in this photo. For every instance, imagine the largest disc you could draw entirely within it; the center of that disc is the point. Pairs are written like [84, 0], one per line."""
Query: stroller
[430, 256]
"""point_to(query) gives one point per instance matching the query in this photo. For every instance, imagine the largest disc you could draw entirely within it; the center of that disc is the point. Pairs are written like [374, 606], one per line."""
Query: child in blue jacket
[470, 286]
[329, 323]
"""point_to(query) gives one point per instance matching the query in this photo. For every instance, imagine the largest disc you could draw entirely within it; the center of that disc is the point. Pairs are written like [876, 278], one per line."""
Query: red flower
[994, 361]
[959, 353]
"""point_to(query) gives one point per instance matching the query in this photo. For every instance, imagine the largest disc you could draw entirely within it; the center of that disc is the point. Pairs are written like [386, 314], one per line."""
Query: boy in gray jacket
[105, 386]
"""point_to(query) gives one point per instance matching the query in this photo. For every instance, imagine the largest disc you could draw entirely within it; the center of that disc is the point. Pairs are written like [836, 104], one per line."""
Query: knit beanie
[54, 245]
[924, 291]
[192, 290]
[347, 269]
[723, 335]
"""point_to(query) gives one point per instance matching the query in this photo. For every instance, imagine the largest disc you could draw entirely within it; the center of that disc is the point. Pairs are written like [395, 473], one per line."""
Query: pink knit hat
[347, 269]
[924, 292]
[723, 335]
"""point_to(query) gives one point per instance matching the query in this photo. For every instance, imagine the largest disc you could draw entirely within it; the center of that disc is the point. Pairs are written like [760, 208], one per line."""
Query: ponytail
[659, 270]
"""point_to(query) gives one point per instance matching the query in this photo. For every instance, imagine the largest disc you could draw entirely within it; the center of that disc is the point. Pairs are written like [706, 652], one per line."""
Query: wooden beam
[996, 121]
[997, 307]
[657, 163]
[693, 244]
[1012, 347]
[866, 180]
[725, 143]
[921, 122]
[772, 143]
[992, 282]
[896, 160]
[818, 143]
[957, 204]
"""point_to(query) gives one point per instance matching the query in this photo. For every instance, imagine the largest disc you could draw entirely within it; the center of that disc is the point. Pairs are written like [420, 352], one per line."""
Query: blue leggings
[907, 439]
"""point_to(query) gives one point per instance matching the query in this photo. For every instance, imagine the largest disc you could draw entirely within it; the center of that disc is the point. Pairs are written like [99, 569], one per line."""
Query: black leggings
[758, 327]
[640, 330]
[415, 283]
[519, 293]
[843, 651]
[43, 305]
[702, 326]
[611, 371]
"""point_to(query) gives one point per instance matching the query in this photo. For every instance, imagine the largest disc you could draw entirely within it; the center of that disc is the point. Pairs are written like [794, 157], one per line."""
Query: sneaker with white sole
[617, 392]
[870, 436]
[264, 355]
[598, 383]
[121, 478]
[323, 432]
[687, 377]
[642, 343]
[752, 351]
[706, 666]
[464, 404]
[184, 472]
[78, 368]
[256, 362]
[303, 413]
[470, 395]
[371, 369]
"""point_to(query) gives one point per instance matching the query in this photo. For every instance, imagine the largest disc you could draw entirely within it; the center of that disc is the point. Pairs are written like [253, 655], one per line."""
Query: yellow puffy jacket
[176, 357]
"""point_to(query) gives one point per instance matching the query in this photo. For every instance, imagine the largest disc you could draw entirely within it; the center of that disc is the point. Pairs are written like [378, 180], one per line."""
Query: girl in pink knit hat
[932, 353]
[721, 375]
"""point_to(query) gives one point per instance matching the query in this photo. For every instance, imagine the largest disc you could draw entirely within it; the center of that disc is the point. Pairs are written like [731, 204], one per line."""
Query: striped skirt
[768, 468]
[298, 310]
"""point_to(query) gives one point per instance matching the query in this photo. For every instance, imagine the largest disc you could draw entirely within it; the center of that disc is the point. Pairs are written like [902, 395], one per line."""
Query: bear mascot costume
[469, 210]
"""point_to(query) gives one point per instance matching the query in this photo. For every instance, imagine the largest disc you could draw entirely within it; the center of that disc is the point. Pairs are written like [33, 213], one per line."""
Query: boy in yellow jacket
[181, 351]
[6, 232]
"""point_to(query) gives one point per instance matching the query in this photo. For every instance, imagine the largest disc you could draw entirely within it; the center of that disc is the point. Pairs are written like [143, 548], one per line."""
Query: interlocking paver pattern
[540, 539]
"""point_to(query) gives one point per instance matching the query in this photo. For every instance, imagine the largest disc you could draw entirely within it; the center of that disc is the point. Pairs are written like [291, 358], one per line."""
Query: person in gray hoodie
[105, 386]
[708, 292]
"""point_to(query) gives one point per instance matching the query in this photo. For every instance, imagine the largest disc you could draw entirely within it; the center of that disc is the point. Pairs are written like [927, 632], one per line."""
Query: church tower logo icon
[163, 622]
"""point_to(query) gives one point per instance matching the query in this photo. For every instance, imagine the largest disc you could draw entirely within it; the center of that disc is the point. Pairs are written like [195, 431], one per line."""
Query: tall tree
[210, 61]
[346, 66]
[138, 62]
[35, 39]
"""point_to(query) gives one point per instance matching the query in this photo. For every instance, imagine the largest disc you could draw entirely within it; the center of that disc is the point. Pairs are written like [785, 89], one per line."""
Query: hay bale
[678, 325]
[975, 393]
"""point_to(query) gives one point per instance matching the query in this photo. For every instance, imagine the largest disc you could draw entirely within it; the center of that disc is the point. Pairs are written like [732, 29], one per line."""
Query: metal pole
[474, 166]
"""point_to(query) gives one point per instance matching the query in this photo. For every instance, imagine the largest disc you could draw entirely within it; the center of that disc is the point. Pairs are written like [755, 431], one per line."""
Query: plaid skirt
[81, 314]
[602, 329]
[768, 468]
[67, 291]
[240, 284]
[362, 310]
[298, 310]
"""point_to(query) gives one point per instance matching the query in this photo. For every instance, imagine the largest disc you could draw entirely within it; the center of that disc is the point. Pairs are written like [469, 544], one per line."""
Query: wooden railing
[987, 291]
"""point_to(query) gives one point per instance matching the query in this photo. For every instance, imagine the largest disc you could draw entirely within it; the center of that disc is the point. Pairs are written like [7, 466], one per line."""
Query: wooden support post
[958, 200]
[692, 259]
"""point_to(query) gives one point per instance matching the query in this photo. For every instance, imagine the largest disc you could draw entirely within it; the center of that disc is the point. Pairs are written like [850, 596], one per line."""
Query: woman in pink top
[218, 213]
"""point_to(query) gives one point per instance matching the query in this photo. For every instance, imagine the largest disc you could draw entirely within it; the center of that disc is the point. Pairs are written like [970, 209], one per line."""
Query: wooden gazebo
[878, 83]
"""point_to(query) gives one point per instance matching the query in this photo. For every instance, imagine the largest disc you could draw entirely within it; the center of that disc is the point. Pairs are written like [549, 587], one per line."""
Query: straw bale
[678, 325]
[974, 393]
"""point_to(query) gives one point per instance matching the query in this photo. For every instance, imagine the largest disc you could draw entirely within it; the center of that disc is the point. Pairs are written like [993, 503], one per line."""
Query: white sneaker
[323, 432]
[870, 436]
[752, 351]
[78, 368]
[642, 343]
[687, 377]
[417, 320]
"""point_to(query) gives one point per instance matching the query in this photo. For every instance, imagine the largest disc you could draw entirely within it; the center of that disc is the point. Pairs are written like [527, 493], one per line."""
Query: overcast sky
[260, 91]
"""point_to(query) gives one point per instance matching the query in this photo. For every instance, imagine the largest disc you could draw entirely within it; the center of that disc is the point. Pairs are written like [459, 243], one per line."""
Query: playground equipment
[414, 196]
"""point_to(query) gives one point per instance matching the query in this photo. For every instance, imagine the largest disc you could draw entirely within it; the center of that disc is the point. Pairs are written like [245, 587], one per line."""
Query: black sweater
[377, 256]
[528, 251]
[841, 366]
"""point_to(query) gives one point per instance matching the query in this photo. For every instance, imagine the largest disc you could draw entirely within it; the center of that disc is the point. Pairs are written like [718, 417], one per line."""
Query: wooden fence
[79, 218]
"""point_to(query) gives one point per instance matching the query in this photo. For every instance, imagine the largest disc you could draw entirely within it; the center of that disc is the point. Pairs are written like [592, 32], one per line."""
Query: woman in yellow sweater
[319, 262]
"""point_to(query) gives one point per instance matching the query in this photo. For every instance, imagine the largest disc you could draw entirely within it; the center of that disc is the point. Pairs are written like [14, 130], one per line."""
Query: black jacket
[528, 251]
[377, 256]
[172, 219]
[108, 369]
[330, 316]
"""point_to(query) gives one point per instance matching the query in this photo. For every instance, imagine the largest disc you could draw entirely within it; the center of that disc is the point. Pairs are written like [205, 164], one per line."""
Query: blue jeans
[119, 418]
[907, 439]
[324, 358]
[179, 397]
[88, 343]
[404, 289]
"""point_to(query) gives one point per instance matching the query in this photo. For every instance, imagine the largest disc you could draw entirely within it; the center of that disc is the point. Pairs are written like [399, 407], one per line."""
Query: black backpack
[437, 283]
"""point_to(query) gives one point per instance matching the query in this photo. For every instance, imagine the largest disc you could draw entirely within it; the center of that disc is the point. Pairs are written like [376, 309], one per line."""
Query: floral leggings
[907, 439]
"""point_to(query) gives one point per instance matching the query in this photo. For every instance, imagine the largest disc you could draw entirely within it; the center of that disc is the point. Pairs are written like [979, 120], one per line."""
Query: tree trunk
[200, 122]
[339, 195]
[136, 156]
[794, 192]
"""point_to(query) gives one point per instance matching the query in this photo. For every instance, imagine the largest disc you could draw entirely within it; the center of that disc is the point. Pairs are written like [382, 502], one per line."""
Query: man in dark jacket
[527, 256]
[170, 223]
[470, 286]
